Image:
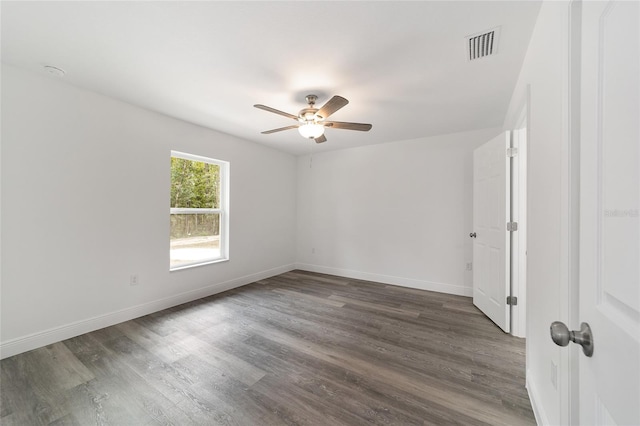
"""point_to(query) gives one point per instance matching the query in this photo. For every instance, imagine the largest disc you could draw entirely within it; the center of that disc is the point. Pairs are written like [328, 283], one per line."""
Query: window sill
[195, 265]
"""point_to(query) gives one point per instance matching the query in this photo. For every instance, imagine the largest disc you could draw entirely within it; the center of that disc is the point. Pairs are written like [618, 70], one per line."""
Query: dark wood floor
[299, 348]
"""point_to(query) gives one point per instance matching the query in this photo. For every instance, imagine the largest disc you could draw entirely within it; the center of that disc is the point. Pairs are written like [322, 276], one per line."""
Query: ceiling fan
[312, 121]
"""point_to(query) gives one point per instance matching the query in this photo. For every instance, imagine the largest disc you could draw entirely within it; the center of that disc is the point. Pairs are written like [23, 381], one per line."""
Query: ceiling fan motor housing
[309, 115]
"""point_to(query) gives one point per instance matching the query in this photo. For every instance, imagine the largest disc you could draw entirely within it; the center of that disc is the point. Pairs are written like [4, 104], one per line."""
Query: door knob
[472, 235]
[561, 336]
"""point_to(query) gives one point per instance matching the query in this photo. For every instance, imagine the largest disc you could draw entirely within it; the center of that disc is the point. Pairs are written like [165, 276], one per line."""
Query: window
[199, 213]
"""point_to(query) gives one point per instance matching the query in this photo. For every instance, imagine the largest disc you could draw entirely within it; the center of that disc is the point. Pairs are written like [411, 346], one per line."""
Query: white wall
[85, 189]
[545, 75]
[397, 213]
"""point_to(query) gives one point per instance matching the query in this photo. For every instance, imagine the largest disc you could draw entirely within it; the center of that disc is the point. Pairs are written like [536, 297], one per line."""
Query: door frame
[519, 176]
[570, 273]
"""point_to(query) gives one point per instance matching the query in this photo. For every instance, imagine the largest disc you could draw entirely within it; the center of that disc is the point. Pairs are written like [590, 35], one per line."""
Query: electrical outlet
[313, 250]
[469, 266]
[134, 279]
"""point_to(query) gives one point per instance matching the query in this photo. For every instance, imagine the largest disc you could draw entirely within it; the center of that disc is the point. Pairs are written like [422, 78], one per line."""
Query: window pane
[194, 238]
[194, 184]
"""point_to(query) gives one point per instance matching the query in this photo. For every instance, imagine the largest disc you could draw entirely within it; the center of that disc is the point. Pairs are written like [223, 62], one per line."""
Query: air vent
[483, 44]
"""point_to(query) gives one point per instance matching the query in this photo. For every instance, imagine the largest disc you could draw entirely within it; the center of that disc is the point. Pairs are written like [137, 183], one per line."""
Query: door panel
[491, 247]
[609, 212]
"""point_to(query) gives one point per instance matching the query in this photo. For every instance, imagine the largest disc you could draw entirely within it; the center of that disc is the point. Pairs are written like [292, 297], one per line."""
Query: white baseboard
[57, 334]
[388, 279]
[534, 398]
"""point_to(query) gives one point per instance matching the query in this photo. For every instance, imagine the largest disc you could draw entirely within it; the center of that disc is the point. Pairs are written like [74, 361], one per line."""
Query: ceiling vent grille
[483, 44]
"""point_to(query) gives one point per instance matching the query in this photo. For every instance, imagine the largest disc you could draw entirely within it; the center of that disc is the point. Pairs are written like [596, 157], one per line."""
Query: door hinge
[512, 152]
[512, 226]
[512, 300]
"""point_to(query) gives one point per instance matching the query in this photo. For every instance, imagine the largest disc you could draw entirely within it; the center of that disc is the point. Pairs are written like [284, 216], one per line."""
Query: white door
[609, 382]
[491, 241]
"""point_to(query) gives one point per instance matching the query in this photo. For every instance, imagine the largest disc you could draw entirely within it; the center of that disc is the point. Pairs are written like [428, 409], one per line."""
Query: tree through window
[198, 210]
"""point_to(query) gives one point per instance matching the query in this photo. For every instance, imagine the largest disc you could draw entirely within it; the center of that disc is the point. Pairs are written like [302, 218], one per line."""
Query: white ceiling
[402, 65]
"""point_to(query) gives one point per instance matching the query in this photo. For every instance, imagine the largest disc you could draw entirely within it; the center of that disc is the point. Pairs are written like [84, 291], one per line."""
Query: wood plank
[375, 306]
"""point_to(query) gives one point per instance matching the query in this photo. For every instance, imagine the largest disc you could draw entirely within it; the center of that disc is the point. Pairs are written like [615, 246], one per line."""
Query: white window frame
[222, 211]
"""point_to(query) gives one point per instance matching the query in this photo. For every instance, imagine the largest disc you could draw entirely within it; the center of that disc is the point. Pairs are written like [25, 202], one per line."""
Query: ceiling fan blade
[348, 126]
[275, 111]
[321, 139]
[266, 132]
[332, 106]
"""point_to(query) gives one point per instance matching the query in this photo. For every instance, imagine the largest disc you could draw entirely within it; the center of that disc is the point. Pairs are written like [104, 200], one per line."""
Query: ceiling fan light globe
[311, 130]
